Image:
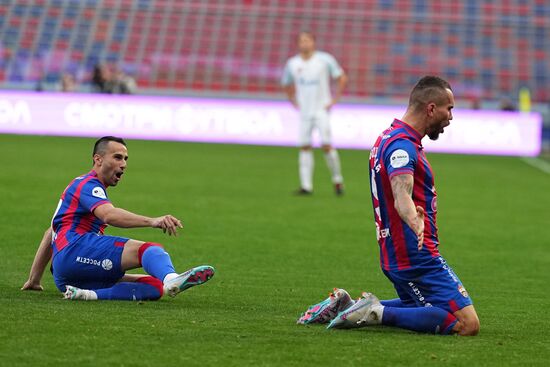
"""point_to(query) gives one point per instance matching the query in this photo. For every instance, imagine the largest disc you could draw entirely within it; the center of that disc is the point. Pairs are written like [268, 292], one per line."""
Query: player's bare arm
[341, 83]
[121, 218]
[402, 186]
[290, 91]
[41, 259]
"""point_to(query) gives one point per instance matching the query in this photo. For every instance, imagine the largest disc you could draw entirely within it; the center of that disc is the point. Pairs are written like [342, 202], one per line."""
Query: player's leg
[306, 160]
[132, 287]
[331, 154]
[157, 262]
[468, 322]
[370, 311]
[421, 312]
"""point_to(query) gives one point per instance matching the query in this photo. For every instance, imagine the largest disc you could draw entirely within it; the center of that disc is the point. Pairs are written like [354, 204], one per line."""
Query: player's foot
[366, 311]
[339, 189]
[74, 293]
[192, 277]
[303, 192]
[326, 310]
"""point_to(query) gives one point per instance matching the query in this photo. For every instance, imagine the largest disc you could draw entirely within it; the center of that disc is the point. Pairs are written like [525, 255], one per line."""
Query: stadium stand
[486, 48]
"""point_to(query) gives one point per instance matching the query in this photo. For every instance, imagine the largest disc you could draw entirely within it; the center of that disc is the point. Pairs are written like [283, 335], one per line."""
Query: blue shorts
[433, 285]
[92, 262]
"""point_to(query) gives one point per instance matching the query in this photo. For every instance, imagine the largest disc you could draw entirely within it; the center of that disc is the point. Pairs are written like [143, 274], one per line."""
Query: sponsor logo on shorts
[448, 269]
[105, 264]
[462, 291]
[419, 295]
[87, 260]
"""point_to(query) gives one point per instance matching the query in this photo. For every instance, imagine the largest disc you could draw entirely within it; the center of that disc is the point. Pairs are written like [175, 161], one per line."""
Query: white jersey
[312, 78]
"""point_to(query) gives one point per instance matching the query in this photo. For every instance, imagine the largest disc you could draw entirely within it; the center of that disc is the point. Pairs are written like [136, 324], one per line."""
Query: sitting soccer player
[432, 298]
[88, 265]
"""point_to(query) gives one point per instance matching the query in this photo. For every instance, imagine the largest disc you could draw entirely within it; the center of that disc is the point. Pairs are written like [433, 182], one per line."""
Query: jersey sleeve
[287, 78]
[400, 157]
[334, 68]
[93, 195]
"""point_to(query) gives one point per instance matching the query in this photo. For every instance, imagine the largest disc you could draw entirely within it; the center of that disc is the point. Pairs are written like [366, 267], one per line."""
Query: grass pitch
[274, 254]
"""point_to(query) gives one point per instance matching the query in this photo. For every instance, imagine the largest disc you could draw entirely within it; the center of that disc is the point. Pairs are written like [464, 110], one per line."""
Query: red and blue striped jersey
[398, 150]
[74, 214]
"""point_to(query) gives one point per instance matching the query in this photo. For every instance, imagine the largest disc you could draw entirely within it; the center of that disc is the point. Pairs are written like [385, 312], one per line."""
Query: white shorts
[320, 121]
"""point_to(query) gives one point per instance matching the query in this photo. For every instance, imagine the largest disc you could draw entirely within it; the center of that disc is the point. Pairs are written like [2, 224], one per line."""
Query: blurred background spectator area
[486, 48]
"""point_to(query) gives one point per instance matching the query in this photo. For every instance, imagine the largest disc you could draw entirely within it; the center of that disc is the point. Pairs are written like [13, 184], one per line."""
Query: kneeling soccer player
[88, 265]
[431, 299]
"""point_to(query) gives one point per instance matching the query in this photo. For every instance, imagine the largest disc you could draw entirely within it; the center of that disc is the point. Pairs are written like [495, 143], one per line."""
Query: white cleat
[74, 293]
[191, 278]
[366, 311]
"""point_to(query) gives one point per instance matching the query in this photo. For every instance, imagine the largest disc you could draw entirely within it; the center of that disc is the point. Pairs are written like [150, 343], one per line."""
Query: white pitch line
[538, 163]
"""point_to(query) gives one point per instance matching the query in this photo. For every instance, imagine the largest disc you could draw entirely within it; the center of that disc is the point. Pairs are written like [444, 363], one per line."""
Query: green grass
[275, 254]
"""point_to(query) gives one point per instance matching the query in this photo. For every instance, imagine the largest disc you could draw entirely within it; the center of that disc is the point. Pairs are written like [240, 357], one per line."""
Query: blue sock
[396, 302]
[155, 261]
[129, 291]
[433, 320]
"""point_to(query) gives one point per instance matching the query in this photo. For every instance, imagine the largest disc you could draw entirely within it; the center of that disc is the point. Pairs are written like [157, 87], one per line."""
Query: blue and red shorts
[91, 262]
[433, 284]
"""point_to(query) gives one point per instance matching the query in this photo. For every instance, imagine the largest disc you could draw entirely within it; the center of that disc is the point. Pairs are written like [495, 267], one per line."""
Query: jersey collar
[415, 134]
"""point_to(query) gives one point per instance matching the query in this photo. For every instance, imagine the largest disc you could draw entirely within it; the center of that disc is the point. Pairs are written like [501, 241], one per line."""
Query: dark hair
[101, 144]
[428, 89]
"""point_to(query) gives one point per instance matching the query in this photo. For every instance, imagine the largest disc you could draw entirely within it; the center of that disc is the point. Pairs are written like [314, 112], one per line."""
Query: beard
[434, 135]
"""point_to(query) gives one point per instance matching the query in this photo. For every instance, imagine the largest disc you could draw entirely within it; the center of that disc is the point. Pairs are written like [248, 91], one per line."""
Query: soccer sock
[306, 163]
[155, 261]
[144, 289]
[396, 302]
[433, 320]
[333, 163]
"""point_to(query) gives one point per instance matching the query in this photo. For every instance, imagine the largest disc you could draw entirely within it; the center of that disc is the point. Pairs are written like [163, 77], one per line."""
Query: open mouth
[119, 174]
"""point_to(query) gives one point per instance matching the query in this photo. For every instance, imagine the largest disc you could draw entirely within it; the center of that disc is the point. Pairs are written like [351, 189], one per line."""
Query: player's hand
[169, 224]
[420, 226]
[31, 286]
[329, 106]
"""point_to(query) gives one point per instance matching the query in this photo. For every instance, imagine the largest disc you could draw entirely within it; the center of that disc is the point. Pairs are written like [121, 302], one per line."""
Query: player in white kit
[307, 80]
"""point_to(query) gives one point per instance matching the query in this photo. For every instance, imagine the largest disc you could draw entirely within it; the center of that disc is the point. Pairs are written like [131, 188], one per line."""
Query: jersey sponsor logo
[382, 233]
[434, 204]
[399, 158]
[308, 82]
[107, 264]
[98, 192]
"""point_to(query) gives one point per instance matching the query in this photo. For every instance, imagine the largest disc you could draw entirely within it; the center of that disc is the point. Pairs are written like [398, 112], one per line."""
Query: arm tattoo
[402, 183]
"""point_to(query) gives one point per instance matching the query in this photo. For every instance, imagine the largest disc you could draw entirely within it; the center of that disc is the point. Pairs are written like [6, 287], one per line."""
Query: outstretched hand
[31, 286]
[420, 226]
[169, 224]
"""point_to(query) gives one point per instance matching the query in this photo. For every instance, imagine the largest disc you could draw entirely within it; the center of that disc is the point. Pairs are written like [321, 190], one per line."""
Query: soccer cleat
[323, 312]
[362, 313]
[74, 293]
[303, 192]
[192, 277]
[339, 189]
